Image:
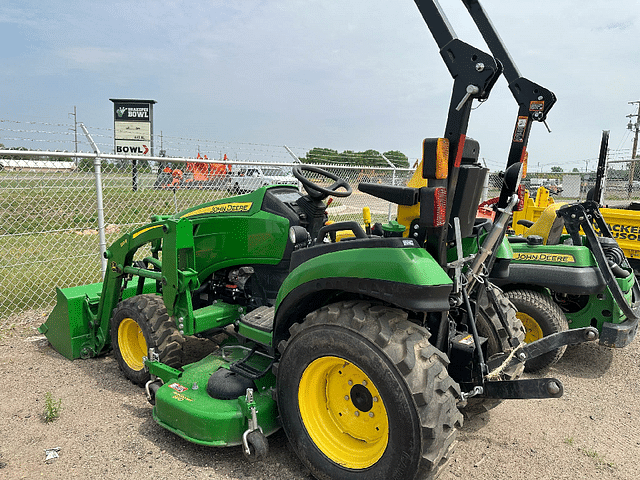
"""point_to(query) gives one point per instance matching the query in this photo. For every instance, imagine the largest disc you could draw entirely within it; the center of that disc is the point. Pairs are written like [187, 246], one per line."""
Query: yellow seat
[549, 226]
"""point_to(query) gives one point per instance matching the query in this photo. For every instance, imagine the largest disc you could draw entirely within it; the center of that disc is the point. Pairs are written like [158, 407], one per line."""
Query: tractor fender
[408, 278]
[570, 280]
[563, 268]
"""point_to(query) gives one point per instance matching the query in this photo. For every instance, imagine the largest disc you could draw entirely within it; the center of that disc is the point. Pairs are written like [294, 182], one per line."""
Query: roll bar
[474, 73]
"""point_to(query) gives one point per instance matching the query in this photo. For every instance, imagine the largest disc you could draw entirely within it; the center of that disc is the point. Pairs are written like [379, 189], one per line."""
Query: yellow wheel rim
[132, 344]
[343, 412]
[532, 328]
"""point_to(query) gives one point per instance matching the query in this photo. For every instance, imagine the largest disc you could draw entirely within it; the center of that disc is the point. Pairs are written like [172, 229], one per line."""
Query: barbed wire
[188, 147]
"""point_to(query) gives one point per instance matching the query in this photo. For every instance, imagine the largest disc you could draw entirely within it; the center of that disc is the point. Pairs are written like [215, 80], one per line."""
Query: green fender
[408, 278]
[470, 246]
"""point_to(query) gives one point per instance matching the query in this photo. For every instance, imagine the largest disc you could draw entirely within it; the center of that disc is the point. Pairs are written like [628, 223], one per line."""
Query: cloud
[94, 58]
[356, 74]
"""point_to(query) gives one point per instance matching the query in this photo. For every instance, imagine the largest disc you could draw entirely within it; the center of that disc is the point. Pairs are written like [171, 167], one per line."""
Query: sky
[346, 75]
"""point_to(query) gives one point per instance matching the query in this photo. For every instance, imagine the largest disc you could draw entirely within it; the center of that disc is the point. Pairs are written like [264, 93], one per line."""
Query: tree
[321, 156]
[371, 158]
[399, 159]
[368, 158]
[557, 169]
[575, 170]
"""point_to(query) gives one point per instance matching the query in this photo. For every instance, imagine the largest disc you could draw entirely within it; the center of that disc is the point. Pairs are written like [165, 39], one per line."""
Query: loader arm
[174, 275]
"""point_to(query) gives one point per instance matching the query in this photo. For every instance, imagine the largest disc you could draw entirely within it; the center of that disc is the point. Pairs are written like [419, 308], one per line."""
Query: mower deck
[185, 406]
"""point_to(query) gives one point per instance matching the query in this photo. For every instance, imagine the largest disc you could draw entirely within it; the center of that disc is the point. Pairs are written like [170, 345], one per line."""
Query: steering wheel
[314, 190]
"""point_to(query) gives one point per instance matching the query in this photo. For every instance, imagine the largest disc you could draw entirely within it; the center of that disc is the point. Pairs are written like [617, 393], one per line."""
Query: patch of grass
[599, 459]
[52, 408]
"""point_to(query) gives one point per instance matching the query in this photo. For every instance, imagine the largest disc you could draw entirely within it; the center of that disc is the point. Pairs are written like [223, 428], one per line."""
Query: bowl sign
[132, 148]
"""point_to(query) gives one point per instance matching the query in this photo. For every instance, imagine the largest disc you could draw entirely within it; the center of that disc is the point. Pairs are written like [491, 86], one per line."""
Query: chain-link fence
[50, 223]
[52, 227]
[621, 185]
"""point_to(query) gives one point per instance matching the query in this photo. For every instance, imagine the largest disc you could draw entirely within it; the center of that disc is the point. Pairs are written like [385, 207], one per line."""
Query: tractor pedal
[245, 367]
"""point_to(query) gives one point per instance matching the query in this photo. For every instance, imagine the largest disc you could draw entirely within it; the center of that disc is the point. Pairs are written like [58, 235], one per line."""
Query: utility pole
[163, 153]
[75, 133]
[633, 126]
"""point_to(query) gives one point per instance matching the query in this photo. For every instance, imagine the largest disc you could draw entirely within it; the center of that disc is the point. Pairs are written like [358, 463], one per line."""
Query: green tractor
[365, 351]
[568, 271]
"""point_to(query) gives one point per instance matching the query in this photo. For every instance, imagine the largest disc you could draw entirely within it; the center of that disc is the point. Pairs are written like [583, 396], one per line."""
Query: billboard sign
[133, 126]
[133, 131]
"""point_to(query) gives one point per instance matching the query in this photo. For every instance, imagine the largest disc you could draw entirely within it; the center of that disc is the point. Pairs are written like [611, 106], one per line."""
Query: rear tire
[139, 323]
[541, 317]
[499, 340]
[363, 394]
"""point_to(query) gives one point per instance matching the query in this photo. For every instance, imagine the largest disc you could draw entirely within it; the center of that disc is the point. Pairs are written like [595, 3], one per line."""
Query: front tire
[139, 323]
[362, 394]
[541, 317]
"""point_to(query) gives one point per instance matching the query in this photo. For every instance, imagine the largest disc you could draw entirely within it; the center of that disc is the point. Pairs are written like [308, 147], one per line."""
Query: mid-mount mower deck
[365, 351]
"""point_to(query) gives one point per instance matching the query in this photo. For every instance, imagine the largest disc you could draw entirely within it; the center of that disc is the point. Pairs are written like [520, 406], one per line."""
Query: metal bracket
[526, 388]
[551, 342]
[152, 357]
[526, 351]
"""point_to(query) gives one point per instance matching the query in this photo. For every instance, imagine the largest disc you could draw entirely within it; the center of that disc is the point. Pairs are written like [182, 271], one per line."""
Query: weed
[599, 459]
[568, 441]
[52, 408]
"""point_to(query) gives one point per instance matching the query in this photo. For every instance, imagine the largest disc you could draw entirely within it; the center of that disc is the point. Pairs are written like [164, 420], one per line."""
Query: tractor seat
[549, 226]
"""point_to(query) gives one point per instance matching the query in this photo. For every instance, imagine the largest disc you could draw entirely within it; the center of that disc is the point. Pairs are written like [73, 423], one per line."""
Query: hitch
[526, 388]
[531, 387]
[551, 342]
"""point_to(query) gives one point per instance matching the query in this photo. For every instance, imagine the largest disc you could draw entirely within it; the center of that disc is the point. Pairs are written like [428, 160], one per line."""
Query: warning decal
[521, 125]
[178, 388]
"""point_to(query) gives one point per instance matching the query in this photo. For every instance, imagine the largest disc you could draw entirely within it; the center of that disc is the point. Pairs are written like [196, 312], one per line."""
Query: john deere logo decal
[234, 207]
[543, 257]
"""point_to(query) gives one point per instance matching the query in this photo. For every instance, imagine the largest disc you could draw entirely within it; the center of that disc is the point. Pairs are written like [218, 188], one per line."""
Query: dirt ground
[105, 429]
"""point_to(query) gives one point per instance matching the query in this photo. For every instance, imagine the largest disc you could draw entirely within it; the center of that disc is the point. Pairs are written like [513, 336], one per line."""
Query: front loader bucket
[67, 327]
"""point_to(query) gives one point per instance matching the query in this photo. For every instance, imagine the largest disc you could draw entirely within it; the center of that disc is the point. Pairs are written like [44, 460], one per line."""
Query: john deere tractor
[568, 271]
[365, 351]
[565, 271]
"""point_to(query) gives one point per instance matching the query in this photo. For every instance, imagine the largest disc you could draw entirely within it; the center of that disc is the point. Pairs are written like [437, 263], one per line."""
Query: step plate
[260, 318]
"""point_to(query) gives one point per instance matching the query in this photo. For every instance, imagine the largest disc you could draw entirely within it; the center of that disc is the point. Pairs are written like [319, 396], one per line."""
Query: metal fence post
[102, 242]
[393, 182]
[485, 188]
[295, 157]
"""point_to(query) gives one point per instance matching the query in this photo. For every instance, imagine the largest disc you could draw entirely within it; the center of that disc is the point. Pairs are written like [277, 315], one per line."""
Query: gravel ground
[105, 429]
